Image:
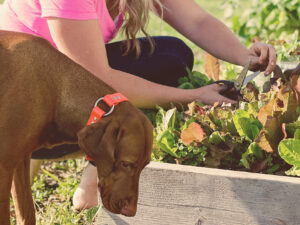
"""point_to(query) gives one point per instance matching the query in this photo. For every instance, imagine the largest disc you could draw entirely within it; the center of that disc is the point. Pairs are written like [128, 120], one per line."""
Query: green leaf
[273, 169]
[253, 149]
[292, 127]
[166, 142]
[165, 119]
[186, 85]
[216, 138]
[187, 123]
[169, 120]
[297, 134]
[249, 129]
[289, 150]
[294, 171]
[246, 125]
[199, 79]
[182, 80]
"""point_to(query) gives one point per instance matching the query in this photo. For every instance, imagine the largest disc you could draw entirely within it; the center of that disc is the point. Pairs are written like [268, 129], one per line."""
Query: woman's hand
[210, 94]
[263, 57]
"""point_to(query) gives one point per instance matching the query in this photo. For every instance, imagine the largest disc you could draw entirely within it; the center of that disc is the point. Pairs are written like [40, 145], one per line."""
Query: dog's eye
[125, 164]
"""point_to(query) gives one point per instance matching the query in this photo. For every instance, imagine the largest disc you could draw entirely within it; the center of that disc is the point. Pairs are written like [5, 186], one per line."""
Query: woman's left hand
[263, 57]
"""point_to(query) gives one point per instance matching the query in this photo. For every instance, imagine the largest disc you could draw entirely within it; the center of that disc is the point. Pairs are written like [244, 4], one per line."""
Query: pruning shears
[232, 89]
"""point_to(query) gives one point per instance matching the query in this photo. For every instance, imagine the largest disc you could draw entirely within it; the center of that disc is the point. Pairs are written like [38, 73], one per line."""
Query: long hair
[137, 13]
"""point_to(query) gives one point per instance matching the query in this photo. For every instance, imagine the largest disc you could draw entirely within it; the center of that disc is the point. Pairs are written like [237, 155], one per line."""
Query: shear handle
[228, 85]
[229, 91]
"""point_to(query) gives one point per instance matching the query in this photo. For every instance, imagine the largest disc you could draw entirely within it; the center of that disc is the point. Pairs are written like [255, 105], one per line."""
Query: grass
[55, 184]
[52, 191]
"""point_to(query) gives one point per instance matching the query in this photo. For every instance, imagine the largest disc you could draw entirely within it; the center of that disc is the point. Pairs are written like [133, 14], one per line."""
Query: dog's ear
[99, 142]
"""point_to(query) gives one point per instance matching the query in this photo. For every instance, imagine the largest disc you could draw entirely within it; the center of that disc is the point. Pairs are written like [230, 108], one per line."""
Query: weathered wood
[186, 195]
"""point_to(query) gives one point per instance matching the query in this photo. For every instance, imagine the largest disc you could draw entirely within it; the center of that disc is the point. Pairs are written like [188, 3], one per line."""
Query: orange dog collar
[111, 100]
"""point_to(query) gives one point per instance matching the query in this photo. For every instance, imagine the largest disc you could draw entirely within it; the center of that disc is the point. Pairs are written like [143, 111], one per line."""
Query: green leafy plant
[243, 138]
[193, 80]
[273, 21]
[267, 19]
[289, 149]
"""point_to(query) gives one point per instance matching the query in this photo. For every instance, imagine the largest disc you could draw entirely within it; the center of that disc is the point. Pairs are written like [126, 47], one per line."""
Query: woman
[81, 29]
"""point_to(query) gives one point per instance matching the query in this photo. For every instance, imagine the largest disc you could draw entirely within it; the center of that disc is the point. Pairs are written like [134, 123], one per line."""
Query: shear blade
[240, 80]
[250, 77]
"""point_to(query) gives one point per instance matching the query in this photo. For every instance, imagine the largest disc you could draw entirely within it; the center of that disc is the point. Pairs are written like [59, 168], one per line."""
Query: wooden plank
[186, 195]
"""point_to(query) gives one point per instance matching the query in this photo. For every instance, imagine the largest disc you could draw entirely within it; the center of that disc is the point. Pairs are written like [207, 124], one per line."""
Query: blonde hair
[137, 13]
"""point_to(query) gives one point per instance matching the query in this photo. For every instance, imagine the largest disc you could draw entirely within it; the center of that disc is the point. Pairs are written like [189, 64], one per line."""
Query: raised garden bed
[177, 194]
[262, 135]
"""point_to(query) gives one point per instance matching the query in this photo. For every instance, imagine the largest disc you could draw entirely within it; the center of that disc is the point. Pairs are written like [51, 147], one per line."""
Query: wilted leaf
[266, 112]
[291, 72]
[194, 132]
[255, 39]
[195, 108]
[220, 118]
[216, 104]
[260, 166]
[250, 93]
[271, 134]
[266, 142]
[281, 109]
[290, 101]
[212, 67]
[217, 154]
[295, 82]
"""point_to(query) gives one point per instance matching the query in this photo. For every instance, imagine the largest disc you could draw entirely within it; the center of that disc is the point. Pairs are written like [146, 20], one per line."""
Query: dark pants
[165, 66]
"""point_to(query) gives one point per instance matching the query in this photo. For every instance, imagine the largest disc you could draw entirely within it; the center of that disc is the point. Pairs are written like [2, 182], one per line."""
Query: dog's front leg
[21, 192]
[6, 175]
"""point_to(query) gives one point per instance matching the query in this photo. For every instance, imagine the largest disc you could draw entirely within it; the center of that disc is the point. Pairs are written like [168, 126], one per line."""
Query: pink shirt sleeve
[69, 9]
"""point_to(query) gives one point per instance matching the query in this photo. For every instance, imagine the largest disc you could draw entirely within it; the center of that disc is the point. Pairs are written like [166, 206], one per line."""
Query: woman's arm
[82, 42]
[214, 37]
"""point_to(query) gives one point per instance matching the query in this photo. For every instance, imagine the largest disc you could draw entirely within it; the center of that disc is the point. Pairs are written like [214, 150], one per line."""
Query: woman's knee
[175, 47]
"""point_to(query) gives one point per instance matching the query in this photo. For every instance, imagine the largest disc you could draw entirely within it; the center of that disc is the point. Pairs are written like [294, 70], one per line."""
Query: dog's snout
[128, 211]
[129, 208]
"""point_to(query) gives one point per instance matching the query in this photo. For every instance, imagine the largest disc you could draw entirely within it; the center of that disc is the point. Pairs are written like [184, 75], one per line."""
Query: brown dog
[45, 101]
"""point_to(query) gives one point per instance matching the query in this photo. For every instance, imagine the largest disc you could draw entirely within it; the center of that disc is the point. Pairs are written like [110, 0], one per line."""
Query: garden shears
[232, 89]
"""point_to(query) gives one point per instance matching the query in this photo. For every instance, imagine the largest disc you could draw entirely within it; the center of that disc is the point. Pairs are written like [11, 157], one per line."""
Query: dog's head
[121, 146]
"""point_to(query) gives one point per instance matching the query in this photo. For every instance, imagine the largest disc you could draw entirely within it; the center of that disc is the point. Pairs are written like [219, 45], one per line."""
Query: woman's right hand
[210, 94]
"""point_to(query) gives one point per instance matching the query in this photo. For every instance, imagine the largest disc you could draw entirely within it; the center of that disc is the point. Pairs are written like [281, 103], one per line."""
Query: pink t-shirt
[29, 16]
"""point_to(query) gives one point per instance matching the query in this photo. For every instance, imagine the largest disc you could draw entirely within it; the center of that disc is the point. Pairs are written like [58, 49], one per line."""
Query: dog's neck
[78, 91]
